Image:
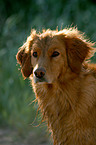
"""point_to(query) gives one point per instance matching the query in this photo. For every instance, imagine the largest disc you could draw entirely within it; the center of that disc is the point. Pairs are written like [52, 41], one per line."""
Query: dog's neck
[57, 107]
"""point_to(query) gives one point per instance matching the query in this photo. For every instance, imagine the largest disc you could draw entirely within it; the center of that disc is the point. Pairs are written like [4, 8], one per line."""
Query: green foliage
[16, 20]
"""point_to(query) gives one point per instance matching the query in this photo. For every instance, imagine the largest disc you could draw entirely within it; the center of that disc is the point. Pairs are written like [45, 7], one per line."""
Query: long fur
[68, 99]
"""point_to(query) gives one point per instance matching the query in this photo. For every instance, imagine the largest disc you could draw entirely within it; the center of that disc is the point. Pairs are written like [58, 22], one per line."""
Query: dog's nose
[39, 73]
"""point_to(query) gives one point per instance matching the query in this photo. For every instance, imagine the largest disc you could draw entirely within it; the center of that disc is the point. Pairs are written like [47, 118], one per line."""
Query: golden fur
[67, 94]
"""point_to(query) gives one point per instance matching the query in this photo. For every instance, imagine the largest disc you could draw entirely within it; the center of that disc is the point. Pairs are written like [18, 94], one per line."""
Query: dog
[64, 83]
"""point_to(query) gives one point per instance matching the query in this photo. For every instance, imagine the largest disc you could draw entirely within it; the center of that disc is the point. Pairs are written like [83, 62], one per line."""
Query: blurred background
[18, 119]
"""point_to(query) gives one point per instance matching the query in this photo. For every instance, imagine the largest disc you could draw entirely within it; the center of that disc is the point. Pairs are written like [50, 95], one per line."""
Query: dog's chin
[42, 81]
[38, 81]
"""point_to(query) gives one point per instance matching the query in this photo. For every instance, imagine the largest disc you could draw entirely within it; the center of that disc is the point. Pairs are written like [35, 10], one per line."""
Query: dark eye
[55, 53]
[35, 54]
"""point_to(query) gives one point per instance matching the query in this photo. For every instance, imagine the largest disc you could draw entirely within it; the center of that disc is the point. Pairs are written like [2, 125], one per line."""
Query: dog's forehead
[46, 42]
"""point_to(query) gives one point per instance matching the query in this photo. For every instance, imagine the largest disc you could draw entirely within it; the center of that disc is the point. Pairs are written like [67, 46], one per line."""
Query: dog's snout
[40, 72]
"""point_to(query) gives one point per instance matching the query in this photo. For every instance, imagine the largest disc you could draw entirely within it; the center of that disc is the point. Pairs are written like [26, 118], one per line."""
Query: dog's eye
[55, 53]
[35, 54]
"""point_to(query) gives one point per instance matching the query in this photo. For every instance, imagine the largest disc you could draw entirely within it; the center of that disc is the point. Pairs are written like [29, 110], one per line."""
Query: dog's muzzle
[39, 75]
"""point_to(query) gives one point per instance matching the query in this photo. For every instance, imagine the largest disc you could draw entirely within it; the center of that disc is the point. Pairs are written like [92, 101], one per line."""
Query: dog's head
[50, 54]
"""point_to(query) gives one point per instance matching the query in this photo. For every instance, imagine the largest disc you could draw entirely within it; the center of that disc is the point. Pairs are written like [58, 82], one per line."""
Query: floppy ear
[77, 51]
[24, 59]
[24, 56]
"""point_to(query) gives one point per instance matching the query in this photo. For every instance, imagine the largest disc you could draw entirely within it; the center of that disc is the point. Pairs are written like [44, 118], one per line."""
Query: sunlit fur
[68, 98]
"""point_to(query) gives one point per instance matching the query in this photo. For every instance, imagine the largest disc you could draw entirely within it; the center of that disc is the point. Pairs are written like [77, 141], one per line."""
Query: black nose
[39, 73]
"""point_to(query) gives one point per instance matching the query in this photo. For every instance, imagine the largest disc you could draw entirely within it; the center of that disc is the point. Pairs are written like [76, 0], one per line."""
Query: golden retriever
[64, 83]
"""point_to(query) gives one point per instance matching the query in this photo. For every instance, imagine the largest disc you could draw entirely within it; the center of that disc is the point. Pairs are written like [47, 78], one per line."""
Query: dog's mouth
[39, 80]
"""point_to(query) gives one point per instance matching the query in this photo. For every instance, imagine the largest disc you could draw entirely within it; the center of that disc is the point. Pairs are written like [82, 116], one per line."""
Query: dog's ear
[24, 59]
[78, 51]
[24, 56]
